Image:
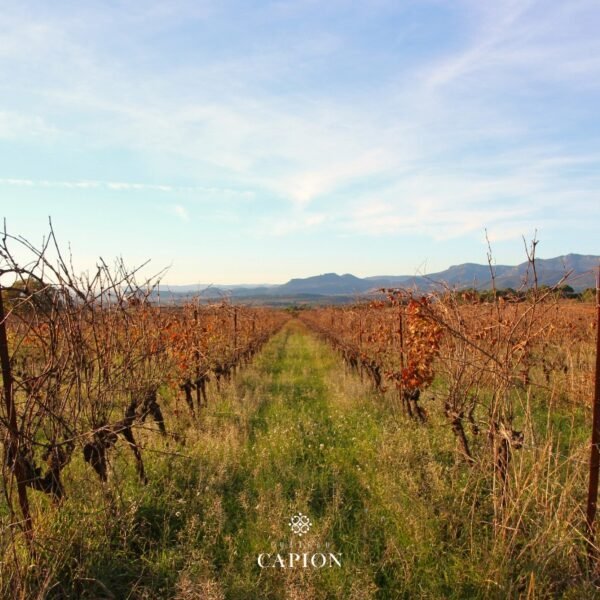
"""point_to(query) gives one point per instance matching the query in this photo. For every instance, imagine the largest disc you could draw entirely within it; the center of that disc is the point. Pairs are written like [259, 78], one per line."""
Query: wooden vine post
[592, 501]
[197, 358]
[12, 450]
[235, 329]
[401, 335]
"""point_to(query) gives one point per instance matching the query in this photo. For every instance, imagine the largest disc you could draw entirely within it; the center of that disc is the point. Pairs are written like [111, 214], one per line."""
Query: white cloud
[16, 125]
[181, 212]
[300, 222]
[123, 186]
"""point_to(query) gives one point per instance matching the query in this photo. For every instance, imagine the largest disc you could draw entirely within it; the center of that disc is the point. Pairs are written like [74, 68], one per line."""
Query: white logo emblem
[300, 524]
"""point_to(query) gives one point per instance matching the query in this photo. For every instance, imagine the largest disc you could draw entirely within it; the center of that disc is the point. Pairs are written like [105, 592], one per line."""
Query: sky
[252, 142]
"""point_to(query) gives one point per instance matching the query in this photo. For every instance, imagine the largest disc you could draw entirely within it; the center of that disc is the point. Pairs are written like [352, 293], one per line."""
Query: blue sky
[258, 141]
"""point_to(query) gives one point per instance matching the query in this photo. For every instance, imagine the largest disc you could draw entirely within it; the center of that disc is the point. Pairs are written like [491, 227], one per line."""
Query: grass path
[318, 441]
[302, 453]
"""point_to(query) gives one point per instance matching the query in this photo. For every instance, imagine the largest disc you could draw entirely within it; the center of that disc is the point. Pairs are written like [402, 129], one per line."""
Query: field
[438, 445]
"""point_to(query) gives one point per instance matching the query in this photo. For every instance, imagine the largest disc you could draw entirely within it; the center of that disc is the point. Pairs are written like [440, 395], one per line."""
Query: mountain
[549, 272]
[470, 275]
[582, 269]
[329, 284]
[200, 288]
[331, 287]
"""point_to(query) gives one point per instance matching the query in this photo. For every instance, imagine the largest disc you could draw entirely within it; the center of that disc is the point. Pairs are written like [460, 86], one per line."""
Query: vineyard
[491, 360]
[457, 430]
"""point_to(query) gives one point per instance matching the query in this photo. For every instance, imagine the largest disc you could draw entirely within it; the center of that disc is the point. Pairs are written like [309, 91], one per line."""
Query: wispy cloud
[16, 125]
[181, 212]
[123, 186]
[300, 222]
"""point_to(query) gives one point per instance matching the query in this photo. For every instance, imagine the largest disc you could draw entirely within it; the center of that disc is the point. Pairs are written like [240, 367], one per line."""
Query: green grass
[297, 432]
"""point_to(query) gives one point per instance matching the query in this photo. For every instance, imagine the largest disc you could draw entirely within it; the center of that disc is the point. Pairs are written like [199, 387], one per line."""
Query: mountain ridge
[466, 275]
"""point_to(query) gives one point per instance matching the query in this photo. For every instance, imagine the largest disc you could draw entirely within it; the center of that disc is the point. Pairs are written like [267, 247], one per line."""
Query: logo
[300, 524]
[300, 554]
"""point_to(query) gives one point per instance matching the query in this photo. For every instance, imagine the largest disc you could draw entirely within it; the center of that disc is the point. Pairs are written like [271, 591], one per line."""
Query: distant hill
[549, 272]
[329, 284]
[332, 287]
